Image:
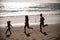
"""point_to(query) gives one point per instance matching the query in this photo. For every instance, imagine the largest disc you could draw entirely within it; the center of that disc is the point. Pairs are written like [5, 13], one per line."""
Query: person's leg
[43, 24]
[40, 27]
[29, 27]
[25, 29]
[6, 31]
[10, 31]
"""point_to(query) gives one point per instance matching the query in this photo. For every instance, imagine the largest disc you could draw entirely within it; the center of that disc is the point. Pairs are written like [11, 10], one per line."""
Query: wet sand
[50, 32]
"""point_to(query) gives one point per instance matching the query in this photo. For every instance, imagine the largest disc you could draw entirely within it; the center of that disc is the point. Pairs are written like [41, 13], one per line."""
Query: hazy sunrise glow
[15, 5]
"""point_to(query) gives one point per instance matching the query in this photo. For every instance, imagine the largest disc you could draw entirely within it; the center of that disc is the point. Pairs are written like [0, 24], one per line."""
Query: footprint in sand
[12, 38]
[43, 39]
[16, 39]
[57, 38]
[33, 39]
[2, 39]
[0, 36]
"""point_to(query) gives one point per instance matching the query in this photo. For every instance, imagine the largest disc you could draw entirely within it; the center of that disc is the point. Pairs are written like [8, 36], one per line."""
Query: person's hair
[8, 21]
[41, 14]
[26, 16]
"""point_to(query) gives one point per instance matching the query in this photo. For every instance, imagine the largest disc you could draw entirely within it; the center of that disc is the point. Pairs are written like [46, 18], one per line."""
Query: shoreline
[22, 25]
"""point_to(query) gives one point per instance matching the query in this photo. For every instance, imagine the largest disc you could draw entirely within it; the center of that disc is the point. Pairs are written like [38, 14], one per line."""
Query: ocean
[51, 17]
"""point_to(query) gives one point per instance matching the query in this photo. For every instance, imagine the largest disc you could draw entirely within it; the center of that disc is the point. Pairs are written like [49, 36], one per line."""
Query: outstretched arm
[11, 26]
[43, 18]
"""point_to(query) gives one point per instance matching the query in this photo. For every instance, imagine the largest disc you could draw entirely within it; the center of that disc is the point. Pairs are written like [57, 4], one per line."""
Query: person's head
[8, 22]
[41, 14]
[26, 16]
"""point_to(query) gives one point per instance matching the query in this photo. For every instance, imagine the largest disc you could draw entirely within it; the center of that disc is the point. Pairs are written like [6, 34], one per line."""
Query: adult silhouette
[27, 23]
[41, 22]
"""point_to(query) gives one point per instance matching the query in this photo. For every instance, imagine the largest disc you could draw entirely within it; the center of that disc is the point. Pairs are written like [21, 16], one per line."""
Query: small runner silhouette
[9, 27]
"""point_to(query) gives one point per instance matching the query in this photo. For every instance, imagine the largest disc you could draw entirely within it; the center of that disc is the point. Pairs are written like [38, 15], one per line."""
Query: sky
[25, 3]
[35, 1]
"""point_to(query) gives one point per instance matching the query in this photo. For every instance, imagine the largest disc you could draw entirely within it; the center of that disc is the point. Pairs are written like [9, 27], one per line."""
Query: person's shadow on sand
[44, 33]
[27, 34]
[8, 35]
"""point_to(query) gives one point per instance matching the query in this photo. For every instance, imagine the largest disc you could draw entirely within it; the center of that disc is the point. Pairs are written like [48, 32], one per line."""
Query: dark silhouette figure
[9, 27]
[41, 22]
[26, 23]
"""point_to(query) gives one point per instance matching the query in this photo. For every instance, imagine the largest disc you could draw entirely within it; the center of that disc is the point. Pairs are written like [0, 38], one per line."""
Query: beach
[16, 14]
[51, 32]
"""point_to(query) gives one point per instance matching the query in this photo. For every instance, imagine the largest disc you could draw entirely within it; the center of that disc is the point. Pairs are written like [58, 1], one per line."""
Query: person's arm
[43, 18]
[11, 26]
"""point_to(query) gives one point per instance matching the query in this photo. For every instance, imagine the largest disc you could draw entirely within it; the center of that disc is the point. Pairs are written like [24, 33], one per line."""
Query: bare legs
[27, 27]
[9, 31]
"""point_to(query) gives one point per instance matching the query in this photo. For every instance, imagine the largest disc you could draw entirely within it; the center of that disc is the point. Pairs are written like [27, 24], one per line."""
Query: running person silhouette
[9, 27]
[26, 23]
[41, 22]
